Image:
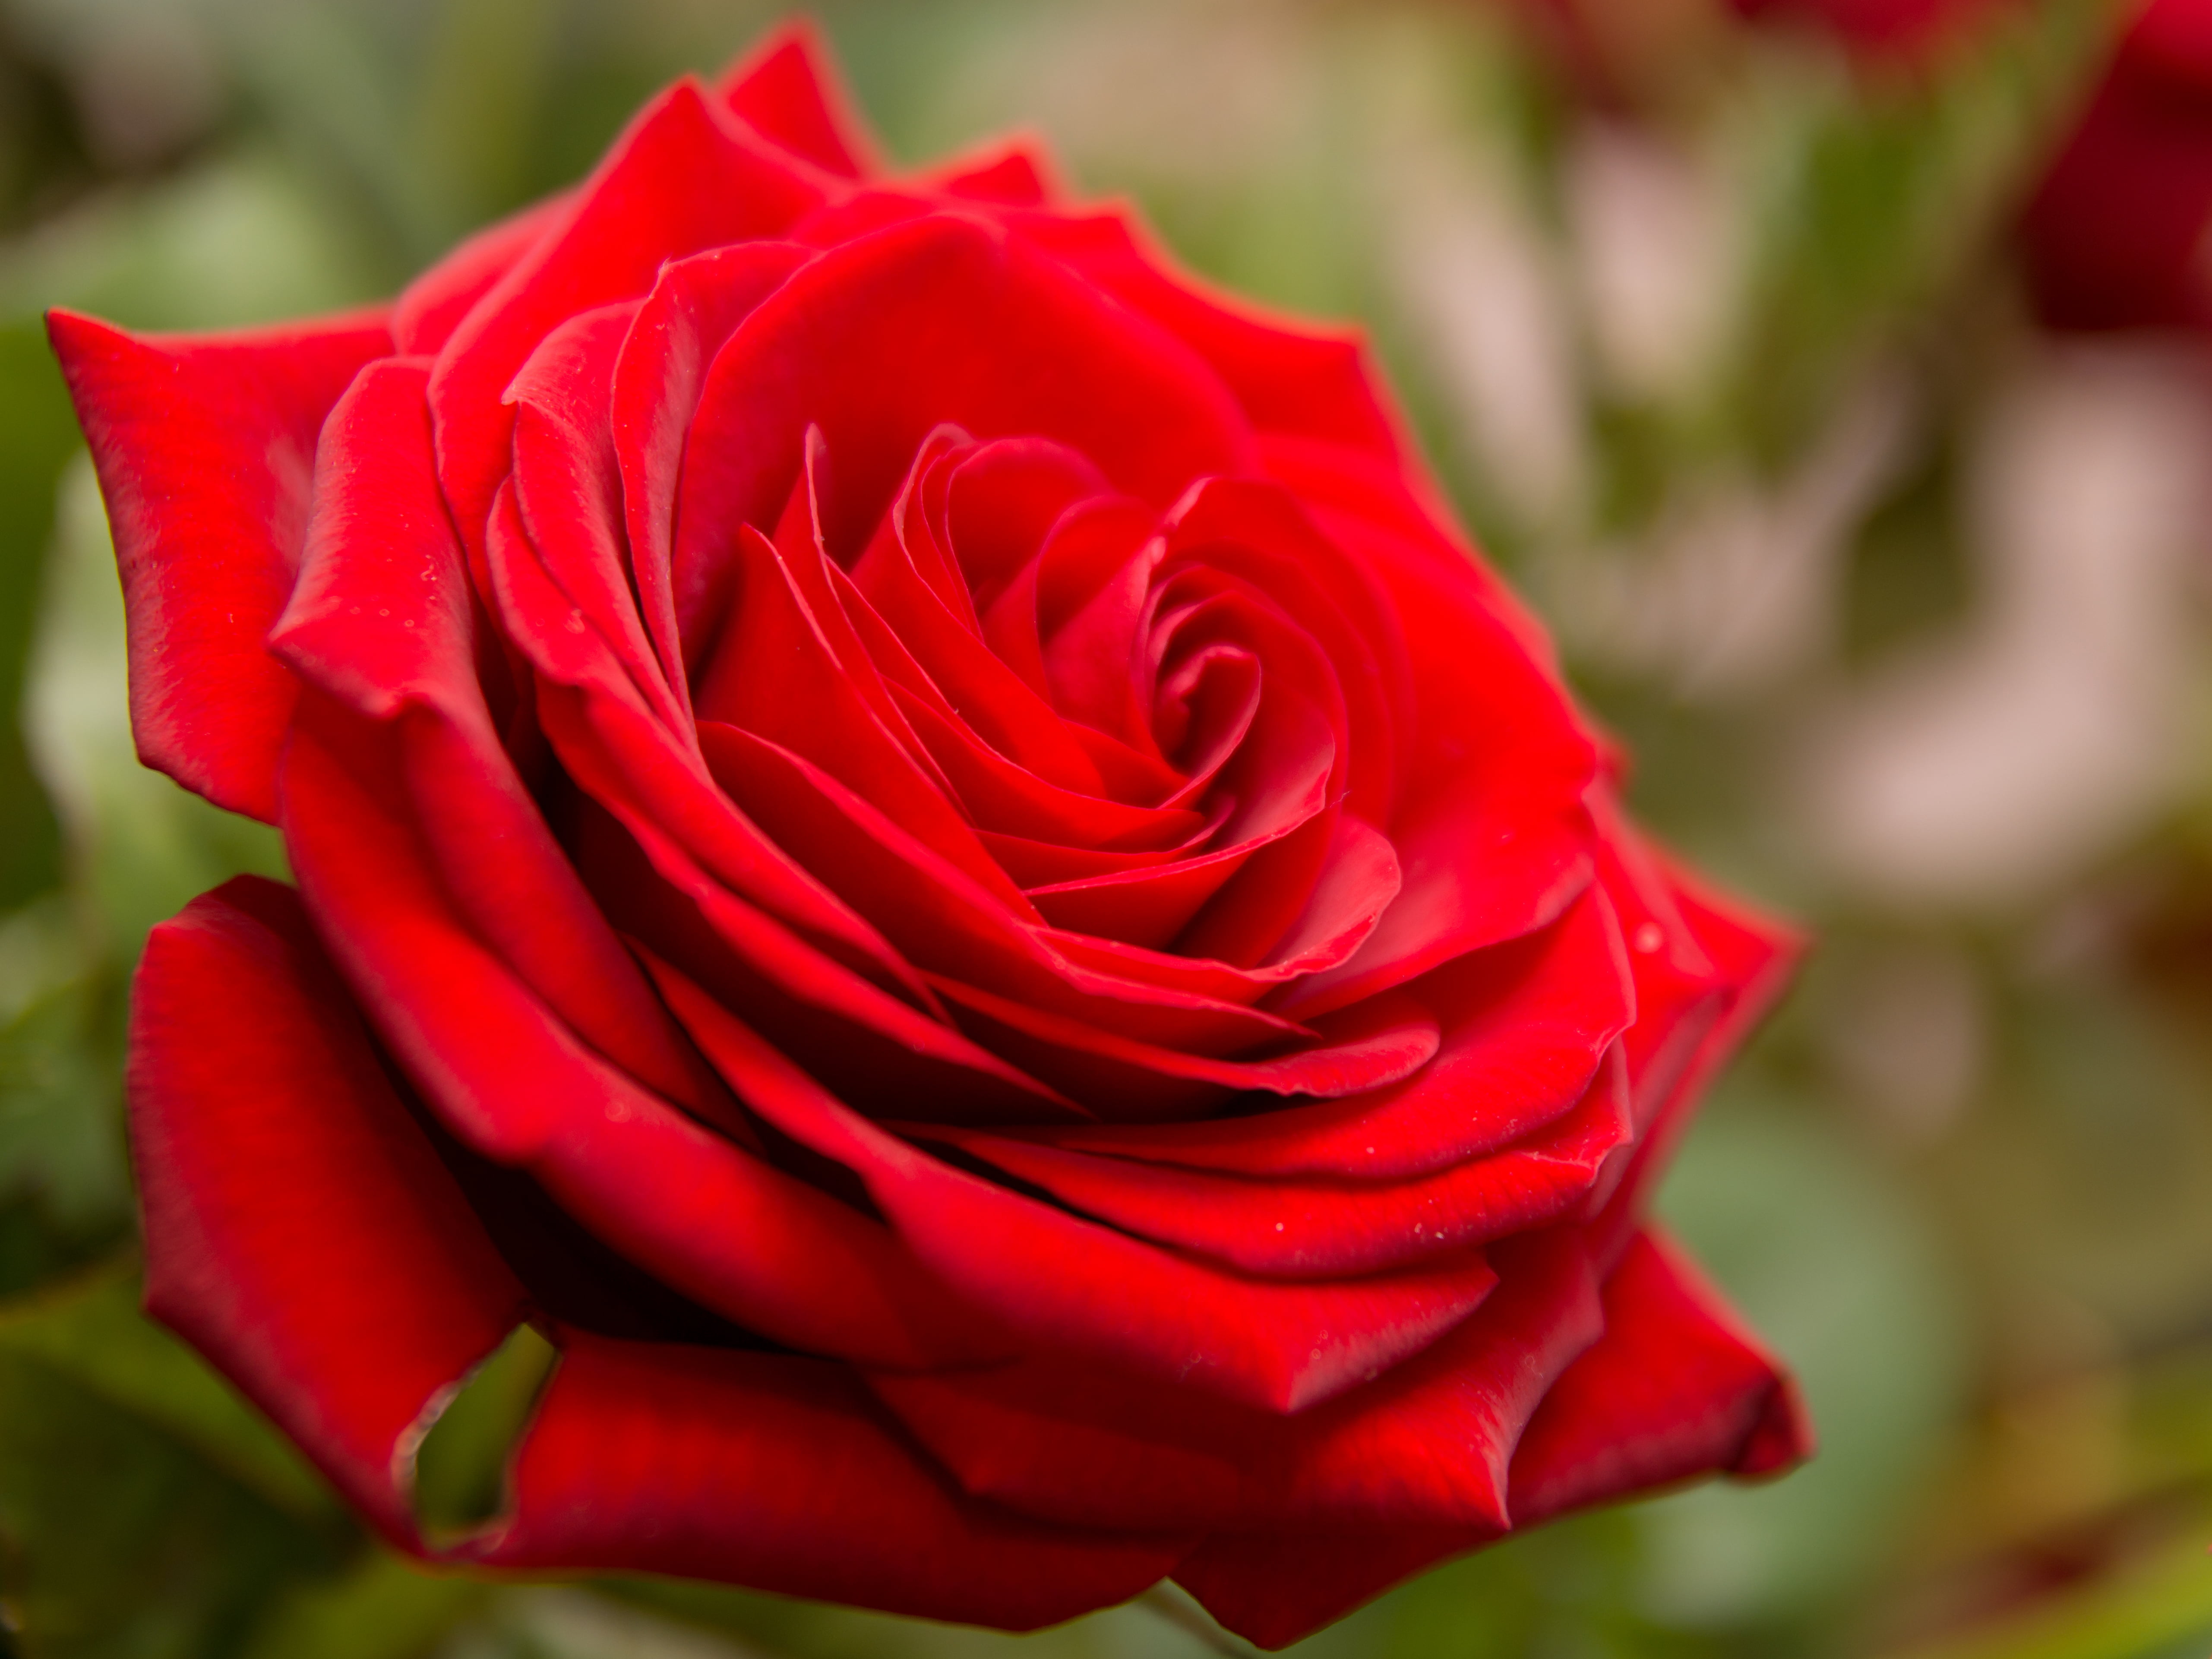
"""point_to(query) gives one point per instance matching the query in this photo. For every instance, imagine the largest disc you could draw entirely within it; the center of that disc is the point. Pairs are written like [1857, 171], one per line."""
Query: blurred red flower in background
[1890, 32]
[2114, 233]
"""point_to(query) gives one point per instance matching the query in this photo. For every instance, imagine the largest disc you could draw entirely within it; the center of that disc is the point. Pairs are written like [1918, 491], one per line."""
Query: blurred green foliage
[1963, 1184]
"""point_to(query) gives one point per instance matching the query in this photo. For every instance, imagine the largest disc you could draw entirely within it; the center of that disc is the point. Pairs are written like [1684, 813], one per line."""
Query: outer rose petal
[382, 618]
[512, 1082]
[300, 1232]
[1012, 172]
[1428, 1441]
[683, 178]
[1750, 960]
[781, 1473]
[205, 447]
[786, 90]
[1672, 1391]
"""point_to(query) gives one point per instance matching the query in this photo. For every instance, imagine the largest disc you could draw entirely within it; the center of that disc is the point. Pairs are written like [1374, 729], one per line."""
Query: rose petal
[695, 306]
[683, 177]
[1426, 1443]
[1670, 1392]
[781, 1473]
[622, 756]
[569, 489]
[1008, 172]
[1493, 835]
[1751, 960]
[761, 1247]
[875, 1049]
[1308, 1229]
[381, 618]
[205, 447]
[1259, 531]
[1002, 498]
[811, 709]
[1523, 1027]
[1362, 503]
[962, 673]
[1674, 1388]
[1069, 1286]
[274, 1162]
[942, 319]
[786, 88]
[1371, 1047]
[945, 923]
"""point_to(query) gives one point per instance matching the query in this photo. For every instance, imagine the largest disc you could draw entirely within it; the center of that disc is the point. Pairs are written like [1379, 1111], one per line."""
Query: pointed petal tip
[788, 89]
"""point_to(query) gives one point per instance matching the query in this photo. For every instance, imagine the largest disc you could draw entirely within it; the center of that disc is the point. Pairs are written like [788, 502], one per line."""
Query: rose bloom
[2115, 235]
[920, 842]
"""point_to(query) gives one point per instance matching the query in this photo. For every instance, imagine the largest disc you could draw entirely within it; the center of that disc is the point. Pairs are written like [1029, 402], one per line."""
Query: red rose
[2116, 233]
[915, 838]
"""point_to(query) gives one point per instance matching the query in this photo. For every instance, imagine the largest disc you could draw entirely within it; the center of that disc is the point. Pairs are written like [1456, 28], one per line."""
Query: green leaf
[387, 1608]
[38, 434]
[460, 1470]
[117, 1541]
[93, 1333]
[1824, 1253]
[61, 1136]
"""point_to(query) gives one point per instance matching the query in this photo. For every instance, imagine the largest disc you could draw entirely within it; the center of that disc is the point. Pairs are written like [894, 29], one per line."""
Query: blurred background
[1833, 377]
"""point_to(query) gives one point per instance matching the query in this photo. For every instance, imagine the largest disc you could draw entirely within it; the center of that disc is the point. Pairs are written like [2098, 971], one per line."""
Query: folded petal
[1523, 1026]
[1719, 967]
[1673, 1389]
[569, 496]
[1310, 1229]
[301, 1231]
[205, 448]
[1371, 1047]
[694, 305]
[948, 924]
[383, 618]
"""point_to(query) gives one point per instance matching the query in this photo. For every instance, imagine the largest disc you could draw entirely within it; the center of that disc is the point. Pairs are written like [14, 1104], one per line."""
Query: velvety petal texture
[918, 839]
